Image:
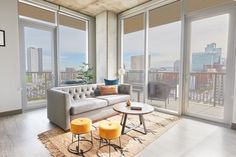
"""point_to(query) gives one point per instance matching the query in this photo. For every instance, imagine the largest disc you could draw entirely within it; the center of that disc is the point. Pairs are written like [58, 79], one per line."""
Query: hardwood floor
[189, 138]
[18, 134]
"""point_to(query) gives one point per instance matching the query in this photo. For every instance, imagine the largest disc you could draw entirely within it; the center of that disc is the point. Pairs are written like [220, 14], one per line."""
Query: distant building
[34, 59]
[69, 74]
[137, 62]
[177, 65]
[209, 60]
[70, 70]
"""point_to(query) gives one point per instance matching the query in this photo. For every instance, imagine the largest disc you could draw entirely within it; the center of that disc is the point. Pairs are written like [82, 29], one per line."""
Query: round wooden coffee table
[126, 110]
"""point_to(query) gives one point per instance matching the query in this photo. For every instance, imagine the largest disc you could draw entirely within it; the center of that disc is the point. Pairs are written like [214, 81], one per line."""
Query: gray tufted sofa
[67, 103]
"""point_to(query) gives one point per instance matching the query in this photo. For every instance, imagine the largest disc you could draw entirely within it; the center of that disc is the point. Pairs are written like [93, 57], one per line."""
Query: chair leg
[109, 148]
[78, 150]
[91, 136]
[100, 142]
[72, 139]
[120, 142]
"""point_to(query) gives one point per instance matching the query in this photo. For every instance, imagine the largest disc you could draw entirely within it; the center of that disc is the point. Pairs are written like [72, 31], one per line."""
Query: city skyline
[72, 50]
[72, 54]
[164, 40]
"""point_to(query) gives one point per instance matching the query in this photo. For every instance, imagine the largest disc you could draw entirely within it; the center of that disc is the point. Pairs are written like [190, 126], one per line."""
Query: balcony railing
[204, 87]
[207, 88]
[37, 83]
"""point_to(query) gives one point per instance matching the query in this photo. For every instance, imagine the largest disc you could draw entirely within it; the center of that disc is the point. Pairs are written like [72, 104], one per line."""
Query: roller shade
[194, 5]
[72, 22]
[165, 14]
[36, 13]
[133, 24]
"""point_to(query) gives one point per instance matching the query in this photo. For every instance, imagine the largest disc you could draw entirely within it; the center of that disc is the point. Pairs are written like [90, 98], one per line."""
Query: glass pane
[133, 56]
[209, 39]
[73, 53]
[38, 56]
[164, 65]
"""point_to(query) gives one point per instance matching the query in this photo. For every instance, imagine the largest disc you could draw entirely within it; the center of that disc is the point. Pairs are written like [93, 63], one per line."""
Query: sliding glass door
[133, 55]
[207, 69]
[38, 60]
[164, 41]
[182, 61]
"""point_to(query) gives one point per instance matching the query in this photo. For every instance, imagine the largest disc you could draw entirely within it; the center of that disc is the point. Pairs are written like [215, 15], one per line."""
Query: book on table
[136, 107]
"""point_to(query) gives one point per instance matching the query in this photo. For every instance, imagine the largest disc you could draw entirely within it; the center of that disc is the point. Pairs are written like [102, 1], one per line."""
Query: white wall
[10, 93]
[112, 54]
[101, 47]
[106, 46]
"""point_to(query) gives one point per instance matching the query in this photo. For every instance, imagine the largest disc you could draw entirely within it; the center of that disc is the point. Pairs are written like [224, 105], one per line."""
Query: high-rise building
[206, 61]
[137, 62]
[34, 59]
[177, 65]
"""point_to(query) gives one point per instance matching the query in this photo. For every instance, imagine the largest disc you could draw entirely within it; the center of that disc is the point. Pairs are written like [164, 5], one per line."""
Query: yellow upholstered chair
[78, 127]
[110, 130]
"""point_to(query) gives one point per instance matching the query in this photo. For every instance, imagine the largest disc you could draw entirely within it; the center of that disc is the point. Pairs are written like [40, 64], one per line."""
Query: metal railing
[37, 83]
[204, 87]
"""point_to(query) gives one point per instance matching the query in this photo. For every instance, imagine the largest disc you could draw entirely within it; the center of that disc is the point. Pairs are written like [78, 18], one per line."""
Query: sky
[72, 46]
[164, 40]
[205, 31]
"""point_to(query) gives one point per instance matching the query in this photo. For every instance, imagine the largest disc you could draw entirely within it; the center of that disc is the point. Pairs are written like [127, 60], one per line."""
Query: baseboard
[9, 113]
[233, 126]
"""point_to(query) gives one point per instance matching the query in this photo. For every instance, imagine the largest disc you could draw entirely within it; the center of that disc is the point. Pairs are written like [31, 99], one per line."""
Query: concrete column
[106, 46]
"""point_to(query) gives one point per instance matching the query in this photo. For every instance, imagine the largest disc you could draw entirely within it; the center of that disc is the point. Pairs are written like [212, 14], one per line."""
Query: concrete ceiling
[94, 7]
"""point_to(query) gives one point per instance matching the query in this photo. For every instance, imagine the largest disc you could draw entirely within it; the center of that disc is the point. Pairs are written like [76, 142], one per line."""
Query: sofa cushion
[114, 99]
[111, 82]
[87, 104]
[108, 90]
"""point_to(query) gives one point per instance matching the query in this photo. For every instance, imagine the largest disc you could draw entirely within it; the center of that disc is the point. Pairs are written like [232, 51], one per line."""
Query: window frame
[185, 32]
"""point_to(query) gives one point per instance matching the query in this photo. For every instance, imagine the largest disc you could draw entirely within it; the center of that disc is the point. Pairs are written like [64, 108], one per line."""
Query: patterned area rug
[56, 140]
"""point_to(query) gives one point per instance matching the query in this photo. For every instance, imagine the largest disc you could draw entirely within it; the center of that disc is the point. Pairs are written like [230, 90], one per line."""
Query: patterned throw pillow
[108, 90]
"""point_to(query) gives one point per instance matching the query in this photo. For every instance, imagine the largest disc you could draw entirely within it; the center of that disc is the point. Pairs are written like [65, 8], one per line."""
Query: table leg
[122, 118]
[144, 126]
[140, 120]
[124, 124]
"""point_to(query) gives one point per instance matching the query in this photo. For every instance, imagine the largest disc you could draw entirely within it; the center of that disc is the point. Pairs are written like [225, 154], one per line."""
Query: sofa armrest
[125, 89]
[58, 108]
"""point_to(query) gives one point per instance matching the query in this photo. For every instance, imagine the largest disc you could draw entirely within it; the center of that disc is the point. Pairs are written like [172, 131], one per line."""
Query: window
[164, 56]
[133, 54]
[209, 39]
[72, 46]
[38, 46]
[40, 49]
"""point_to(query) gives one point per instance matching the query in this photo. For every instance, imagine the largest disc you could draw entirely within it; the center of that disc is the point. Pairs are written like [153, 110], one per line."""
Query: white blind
[134, 23]
[36, 13]
[165, 14]
[72, 22]
[194, 5]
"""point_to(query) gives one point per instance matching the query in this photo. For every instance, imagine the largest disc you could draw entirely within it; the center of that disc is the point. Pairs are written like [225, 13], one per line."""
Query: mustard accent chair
[110, 130]
[78, 127]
